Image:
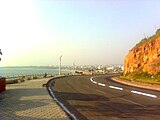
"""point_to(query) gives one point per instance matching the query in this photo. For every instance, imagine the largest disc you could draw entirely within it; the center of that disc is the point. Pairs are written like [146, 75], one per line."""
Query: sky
[87, 32]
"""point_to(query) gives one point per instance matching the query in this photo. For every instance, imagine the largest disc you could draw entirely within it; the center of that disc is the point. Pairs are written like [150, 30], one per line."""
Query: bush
[157, 76]
[158, 31]
[35, 77]
[143, 75]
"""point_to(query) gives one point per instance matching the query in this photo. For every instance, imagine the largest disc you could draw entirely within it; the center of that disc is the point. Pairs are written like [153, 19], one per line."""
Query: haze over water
[23, 71]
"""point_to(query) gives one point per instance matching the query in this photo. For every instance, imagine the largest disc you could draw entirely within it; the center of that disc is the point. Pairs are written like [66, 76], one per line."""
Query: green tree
[0, 54]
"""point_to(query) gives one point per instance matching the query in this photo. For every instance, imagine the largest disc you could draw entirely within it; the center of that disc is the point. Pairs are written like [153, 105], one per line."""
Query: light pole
[73, 68]
[60, 59]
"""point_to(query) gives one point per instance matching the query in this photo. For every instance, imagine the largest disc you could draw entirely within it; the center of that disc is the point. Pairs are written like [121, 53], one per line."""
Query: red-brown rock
[144, 57]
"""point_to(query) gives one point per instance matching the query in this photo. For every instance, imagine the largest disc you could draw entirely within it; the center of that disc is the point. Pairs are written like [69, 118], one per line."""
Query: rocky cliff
[144, 57]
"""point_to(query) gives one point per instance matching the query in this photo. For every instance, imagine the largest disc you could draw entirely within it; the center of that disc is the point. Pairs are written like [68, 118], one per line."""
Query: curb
[13, 81]
[49, 85]
[137, 84]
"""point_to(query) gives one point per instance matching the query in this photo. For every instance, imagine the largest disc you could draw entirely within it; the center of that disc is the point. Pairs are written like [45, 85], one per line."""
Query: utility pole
[60, 59]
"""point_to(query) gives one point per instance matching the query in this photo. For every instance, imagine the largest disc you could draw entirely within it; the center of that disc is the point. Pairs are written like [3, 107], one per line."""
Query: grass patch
[150, 81]
[143, 78]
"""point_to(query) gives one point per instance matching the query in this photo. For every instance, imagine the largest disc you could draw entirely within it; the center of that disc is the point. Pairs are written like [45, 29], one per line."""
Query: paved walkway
[29, 101]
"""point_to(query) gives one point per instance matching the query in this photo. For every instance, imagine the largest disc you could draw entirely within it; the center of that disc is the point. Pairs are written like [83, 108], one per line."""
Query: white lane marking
[133, 102]
[100, 91]
[145, 94]
[91, 79]
[101, 84]
[94, 82]
[118, 88]
[114, 87]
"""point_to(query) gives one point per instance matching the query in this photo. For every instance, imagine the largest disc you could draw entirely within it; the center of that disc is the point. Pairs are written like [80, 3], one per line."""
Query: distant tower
[60, 59]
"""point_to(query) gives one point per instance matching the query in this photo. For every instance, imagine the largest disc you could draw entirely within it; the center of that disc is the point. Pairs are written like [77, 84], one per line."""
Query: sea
[9, 72]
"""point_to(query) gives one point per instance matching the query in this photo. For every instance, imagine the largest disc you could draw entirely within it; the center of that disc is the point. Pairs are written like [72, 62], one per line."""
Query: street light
[60, 59]
[73, 68]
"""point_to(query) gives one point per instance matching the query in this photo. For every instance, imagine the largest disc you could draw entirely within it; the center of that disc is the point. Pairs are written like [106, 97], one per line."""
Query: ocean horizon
[15, 71]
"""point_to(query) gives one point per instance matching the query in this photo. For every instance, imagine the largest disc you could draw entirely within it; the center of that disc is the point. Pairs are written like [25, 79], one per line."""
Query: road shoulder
[137, 84]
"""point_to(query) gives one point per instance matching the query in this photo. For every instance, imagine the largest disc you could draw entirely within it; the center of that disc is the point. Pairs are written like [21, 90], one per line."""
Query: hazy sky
[37, 32]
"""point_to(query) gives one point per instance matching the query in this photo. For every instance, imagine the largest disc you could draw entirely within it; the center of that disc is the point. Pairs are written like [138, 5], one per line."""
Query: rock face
[144, 57]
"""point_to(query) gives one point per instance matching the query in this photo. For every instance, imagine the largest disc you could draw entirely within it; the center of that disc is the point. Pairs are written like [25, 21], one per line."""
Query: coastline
[137, 84]
[20, 71]
[21, 79]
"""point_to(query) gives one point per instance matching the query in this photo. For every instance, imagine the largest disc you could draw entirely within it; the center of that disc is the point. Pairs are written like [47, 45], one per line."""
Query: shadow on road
[97, 107]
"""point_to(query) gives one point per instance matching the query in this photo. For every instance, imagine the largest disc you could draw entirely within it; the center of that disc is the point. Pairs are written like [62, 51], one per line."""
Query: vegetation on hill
[142, 63]
[148, 39]
[143, 77]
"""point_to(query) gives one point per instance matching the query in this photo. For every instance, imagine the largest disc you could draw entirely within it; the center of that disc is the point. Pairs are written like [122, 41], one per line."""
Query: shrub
[142, 75]
[158, 31]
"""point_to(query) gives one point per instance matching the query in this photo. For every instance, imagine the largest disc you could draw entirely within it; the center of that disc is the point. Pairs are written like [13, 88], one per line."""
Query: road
[100, 98]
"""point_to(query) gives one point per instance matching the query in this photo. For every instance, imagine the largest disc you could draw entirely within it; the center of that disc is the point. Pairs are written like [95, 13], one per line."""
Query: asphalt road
[100, 98]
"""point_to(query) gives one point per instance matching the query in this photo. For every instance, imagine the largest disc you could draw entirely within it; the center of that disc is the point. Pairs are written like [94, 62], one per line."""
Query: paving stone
[29, 101]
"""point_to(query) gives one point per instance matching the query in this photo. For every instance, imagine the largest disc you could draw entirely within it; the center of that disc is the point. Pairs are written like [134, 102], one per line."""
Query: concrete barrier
[2, 84]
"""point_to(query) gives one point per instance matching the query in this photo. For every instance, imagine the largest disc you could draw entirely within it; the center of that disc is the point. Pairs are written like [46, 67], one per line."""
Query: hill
[144, 58]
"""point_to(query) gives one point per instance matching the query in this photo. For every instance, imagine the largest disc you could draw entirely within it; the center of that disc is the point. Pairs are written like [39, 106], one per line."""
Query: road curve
[100, 98]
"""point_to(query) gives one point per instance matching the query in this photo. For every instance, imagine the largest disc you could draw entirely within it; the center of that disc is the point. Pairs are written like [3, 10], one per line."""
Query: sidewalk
[29, 101]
